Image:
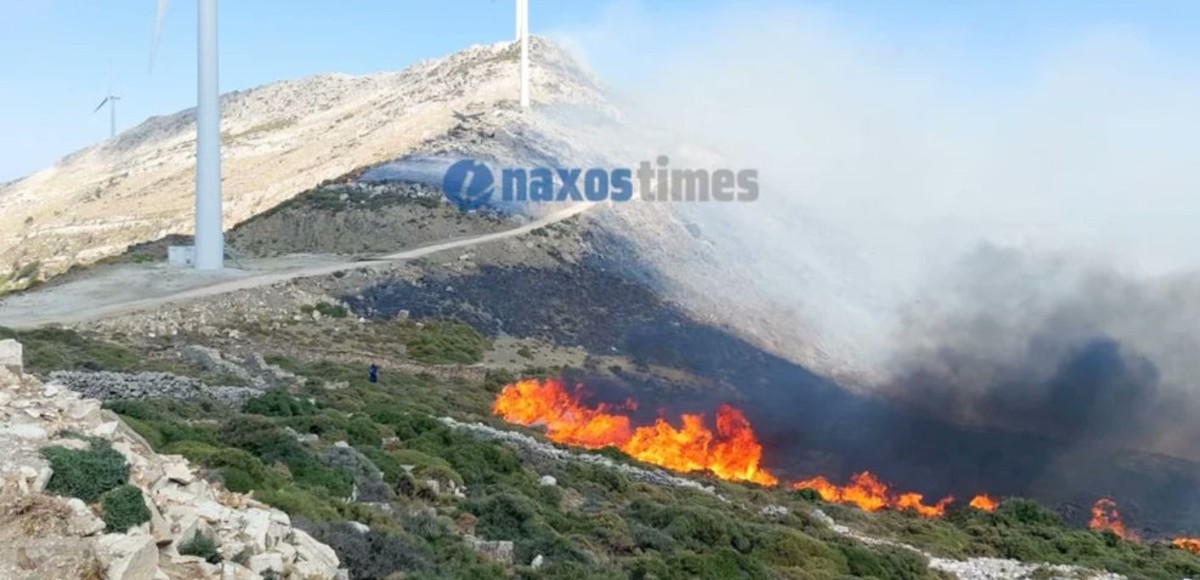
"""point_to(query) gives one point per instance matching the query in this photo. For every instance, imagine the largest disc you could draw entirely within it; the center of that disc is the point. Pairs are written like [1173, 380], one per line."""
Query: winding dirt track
[24, 312]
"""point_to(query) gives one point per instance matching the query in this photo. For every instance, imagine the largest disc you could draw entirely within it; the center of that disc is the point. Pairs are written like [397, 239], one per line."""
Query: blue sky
[56, 55]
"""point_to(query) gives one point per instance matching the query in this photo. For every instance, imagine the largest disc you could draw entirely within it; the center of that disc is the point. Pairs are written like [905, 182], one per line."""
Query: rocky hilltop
[279, 140]
[54, 443]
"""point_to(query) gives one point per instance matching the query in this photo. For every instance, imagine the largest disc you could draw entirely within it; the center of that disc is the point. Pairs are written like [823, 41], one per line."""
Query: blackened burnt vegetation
[810, 425]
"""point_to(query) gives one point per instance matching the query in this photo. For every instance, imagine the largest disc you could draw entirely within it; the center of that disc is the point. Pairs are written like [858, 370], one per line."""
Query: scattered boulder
[548, 481]
[11, 356]
[83, 522]
[178, 472]
[262, 563]
[498, 551]
[128, 557]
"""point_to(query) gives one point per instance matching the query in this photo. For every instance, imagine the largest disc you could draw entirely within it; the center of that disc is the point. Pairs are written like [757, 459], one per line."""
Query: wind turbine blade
[101, 105]
[159, 17]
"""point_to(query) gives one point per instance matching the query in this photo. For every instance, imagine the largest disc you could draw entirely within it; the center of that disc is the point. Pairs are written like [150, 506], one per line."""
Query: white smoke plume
[886, 167]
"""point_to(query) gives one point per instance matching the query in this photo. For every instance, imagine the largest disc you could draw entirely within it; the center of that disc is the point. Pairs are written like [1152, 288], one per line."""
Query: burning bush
[730, 451]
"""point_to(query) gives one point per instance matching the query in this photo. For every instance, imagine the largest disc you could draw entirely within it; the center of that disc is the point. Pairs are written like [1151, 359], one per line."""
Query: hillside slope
[279, 140]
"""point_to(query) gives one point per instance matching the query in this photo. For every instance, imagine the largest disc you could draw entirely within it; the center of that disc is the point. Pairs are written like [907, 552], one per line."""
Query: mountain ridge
[280, 139]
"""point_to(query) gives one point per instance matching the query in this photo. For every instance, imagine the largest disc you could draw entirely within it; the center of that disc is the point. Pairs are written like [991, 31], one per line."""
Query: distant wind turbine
[111, 100]
[210, 238]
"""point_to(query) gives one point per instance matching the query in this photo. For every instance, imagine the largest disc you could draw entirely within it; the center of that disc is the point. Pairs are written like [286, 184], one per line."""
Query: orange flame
[1106, 517]
[1190, 544]
[868, 493]
[984, 502]
[732, 452]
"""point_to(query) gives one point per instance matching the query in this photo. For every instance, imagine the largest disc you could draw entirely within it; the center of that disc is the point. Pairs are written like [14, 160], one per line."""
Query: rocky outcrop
[48, 536]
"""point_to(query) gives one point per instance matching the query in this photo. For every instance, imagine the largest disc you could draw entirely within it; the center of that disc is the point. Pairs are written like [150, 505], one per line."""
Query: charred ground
[808, 424]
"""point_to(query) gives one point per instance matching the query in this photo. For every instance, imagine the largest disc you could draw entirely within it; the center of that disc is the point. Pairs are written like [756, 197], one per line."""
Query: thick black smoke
[1082, 355]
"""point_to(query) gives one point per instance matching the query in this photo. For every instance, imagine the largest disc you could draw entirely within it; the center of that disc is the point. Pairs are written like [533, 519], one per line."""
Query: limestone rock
[128, 557]
[548, 481]
[235, 571]
[310, 550]
[255, 523]
[159, 528]
[498, 551]
[261, 563]
[181, 504]
[27, 431]
[11, 356]
[178, 472]
[82, 521]
[105, 430]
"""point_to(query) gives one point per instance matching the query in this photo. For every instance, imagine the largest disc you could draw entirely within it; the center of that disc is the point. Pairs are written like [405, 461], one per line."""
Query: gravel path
[134, 288]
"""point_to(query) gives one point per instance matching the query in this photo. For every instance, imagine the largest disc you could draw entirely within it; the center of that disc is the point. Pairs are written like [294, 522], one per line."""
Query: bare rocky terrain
[51, 536]
[279, 140]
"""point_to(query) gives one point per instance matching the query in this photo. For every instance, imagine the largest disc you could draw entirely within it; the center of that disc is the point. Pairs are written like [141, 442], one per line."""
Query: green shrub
[883, 563]
[49, 349]
[298, 502]
[86, 473]
[148, 430]
[239, 470]
[201, 546]
[1022, 511]
[123, 508]
[278, 403]
[331, 310]
[714, 565]
[447, 343]
[271, 443]
[790, 548]
[337, 426]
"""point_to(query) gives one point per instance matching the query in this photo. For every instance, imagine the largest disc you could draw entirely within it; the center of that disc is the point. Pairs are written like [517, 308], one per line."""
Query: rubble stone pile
[43, 535]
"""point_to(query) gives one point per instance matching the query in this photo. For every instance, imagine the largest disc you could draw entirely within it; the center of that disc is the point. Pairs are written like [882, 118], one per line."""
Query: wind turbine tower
[209, 252]
[523, 38]
[111, 101]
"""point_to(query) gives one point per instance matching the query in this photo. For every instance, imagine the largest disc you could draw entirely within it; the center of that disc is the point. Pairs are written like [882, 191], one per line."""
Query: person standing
[373, 375]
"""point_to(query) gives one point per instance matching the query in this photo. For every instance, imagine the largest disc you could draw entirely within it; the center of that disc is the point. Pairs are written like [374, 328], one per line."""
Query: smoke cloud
[1003, 239]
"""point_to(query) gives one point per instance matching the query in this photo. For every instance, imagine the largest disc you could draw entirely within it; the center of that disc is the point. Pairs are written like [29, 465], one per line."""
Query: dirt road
[141, 288]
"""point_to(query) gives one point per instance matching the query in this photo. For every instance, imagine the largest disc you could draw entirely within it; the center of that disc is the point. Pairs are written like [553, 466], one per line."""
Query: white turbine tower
[523, 38]
[210, 238]
[111, 100]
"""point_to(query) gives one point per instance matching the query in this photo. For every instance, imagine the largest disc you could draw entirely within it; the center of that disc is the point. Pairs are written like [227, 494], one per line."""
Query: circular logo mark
[468, 184]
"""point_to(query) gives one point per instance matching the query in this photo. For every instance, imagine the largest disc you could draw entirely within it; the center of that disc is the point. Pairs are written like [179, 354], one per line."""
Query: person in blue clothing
[374, 373]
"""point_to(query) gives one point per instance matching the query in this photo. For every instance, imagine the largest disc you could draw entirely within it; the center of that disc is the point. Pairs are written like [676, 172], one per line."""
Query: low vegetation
[382, 442]
[21, 278]
[201, 546]
[122, 508]
[444, 343]
[85, 473]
